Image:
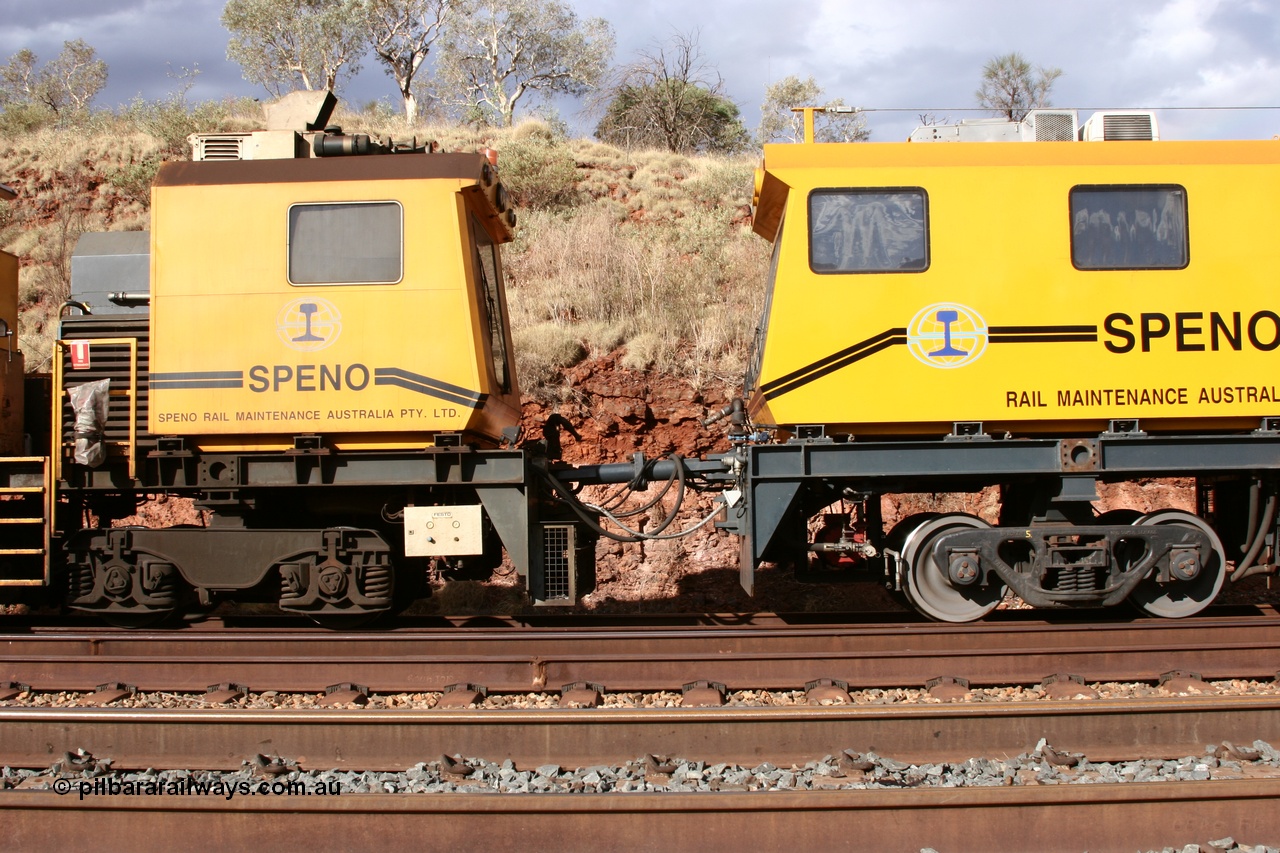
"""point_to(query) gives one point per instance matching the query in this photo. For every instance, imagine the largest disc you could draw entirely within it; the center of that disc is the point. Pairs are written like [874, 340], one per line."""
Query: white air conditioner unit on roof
[1121, 126]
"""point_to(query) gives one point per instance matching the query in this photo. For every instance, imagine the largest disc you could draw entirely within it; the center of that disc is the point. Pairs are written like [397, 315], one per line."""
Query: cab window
[488, 273]
[346, 243]
[1129, 227]
[868, 230]
[755, 358]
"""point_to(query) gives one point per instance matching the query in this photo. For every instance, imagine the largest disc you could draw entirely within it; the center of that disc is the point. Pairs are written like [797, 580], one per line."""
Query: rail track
[772, 653]
[1103, 730]
[664, 655]
[1060, 818]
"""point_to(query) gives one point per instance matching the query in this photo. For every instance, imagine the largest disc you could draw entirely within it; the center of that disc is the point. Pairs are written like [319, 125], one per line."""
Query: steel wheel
[928, 587]
[1179, 599]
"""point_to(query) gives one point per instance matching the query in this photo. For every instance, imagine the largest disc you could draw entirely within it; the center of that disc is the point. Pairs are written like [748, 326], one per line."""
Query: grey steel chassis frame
[776, 474]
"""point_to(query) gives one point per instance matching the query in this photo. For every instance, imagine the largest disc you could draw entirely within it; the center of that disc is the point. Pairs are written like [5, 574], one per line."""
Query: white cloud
[920, 54]
[1177, 29]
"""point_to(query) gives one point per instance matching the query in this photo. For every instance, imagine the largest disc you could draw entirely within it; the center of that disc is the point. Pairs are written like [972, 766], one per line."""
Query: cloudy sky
[898, 58]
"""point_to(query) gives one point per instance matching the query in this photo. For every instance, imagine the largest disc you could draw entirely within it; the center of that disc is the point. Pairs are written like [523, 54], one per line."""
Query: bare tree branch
[672, 98]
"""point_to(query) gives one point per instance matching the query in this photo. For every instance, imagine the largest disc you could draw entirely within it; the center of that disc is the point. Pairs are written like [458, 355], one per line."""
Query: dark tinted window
[346, 243]
[1129, 227]
[868, 230]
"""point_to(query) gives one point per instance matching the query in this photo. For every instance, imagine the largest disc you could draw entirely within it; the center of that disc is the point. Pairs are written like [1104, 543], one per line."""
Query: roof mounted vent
[1121, 126]
[258, 145]
[1049, 126]
[218, 146]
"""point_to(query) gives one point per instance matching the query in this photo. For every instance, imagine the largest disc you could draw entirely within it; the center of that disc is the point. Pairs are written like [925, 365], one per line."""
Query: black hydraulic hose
[671, 516]
[598, 475]
[580, 509]
[615, 498]
[619, 497]
[656, 535]
[574, 504]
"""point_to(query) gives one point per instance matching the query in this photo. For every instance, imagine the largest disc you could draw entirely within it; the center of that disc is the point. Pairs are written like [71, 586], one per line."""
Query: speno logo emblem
[947, 335]
[309, 324]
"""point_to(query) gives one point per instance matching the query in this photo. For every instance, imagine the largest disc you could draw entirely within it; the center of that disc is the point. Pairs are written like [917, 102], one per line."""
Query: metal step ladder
[26, 519]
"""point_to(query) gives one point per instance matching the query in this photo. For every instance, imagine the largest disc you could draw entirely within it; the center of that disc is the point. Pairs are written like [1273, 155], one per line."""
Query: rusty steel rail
[1066, 818]
[369, 739]
[643, 658]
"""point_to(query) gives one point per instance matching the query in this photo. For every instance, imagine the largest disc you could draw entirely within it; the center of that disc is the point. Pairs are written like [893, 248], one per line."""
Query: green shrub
[19, 119]
[134, 180]
[538, 168]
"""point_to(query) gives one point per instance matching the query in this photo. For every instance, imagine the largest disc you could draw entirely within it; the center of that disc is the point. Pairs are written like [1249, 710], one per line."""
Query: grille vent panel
[1055, 127]
[1120, 128]
[218, 146]
[558, 559]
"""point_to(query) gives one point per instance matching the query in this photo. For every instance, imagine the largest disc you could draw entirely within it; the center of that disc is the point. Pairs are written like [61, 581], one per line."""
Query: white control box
[443, 531]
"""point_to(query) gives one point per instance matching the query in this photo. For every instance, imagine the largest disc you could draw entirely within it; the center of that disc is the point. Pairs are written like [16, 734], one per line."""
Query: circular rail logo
[947, 335]
[309, 324]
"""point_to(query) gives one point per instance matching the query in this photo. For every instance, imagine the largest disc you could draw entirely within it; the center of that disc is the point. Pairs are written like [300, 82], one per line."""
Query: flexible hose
[583, 511]
[567, 497]
[688, 530]
[1251, 526]
[666, 522]
[1242, 570]
[620, 496]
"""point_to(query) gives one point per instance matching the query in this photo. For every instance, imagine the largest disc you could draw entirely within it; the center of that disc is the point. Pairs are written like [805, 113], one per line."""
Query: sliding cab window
[869, 230]
[346, 243]
[1129, 227]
